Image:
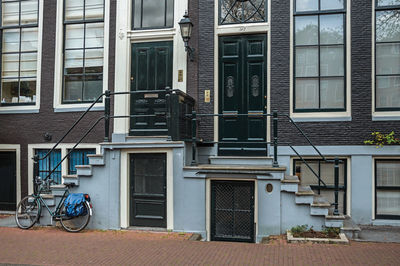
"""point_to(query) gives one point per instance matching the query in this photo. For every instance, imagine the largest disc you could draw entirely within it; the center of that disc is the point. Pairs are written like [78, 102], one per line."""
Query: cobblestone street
[52, 246]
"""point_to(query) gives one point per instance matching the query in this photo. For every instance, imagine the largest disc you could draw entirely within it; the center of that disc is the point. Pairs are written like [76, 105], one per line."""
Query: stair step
[49, 199]
[290, 179]
[84, 170]
[71, 179]
[320, 202]
[334, 221]
[305, 191]
[57, 190]
[96, 159]
[240, 160]
[350, 228]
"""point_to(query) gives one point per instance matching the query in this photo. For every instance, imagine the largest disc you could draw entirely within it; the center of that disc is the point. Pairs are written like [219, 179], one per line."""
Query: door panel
[151, 70]
[148, 190]
[8, 181]
[232, 211]
[242, 90]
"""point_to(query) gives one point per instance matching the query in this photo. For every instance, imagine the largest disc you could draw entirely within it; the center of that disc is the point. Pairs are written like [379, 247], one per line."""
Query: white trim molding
[59, 64]
[17, 149]
[26, 109]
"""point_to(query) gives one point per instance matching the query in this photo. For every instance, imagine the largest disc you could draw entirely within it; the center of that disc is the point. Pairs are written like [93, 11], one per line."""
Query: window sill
[77, 108]
[385, 116]
[30, 109]
[321, 117]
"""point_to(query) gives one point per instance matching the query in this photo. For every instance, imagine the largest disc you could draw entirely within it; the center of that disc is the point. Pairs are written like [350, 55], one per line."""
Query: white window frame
[59, 66]
[15, 109]
[323, 116]
[125, 37]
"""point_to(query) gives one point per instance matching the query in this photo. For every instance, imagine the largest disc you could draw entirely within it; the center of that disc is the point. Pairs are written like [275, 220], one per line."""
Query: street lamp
[186, 31]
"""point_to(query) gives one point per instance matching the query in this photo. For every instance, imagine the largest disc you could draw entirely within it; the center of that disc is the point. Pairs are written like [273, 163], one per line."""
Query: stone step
[49, 199]
[334, 221]
[71, 179]
[290, 184]
[84, 170]
[305, 195]
[96, 159]
[350, 228]
[57, 190]
[240, 160]
[290, 179]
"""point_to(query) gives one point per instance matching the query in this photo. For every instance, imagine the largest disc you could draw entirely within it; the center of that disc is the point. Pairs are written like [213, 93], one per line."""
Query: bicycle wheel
[75, 224]
[28, 212]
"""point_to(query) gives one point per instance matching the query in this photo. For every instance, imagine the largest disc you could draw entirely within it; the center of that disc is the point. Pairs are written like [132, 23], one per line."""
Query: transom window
[150, 14]
[387, 189]
[387, 47]
[83, 50]
[242, 11]
[19, 40]
[319, 48]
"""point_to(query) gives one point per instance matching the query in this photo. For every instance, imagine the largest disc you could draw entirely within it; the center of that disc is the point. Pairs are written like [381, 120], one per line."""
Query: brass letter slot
[230, 114]
[150, 95]
[255, 114]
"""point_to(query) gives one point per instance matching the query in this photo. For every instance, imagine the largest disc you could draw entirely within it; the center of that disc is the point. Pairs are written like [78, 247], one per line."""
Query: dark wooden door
[151, 71]
[8, 181]
[148, 190]
[232, 211]
[242, 90]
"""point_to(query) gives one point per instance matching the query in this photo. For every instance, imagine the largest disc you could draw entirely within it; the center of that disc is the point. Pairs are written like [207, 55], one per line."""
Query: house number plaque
[180, 75]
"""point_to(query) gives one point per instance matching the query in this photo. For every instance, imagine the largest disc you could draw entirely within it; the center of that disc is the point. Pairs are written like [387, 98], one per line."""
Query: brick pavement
[52, 246]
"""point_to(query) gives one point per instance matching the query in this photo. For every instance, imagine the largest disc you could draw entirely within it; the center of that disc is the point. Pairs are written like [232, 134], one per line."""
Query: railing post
[35, 171]
[107, 112]
[336, 211]
[275, 125]
[168, 111]
[194, 138]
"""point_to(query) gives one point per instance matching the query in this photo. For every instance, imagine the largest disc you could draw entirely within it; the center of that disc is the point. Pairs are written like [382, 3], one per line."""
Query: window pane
[388, 2]
[387, 26]
[73, 62]
[332, 93]
[332, 61]
[29, 39]
[9, 91]
[306, 175]
[94, 35]
[28, 64]
[78, 157]
[332, 4]
[10, 12]
[94, 9]
[331, 28]
[170, 13]
[306, 5]
[11, 40]
[388, 173]
[388, 92]
[73, 88]
[388, 202]
[94, 61]
[29, 12]
[153, 13]
[307, 93]
[306, 30]
[328, 174]
[93, 87]
[388, 58]
[137, 16]
[74, 36]
[10, 65]
[306, 61]
[74, 9]
[28, 91]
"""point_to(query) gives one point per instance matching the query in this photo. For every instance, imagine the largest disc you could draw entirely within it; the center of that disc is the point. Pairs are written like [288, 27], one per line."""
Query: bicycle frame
[56, 213]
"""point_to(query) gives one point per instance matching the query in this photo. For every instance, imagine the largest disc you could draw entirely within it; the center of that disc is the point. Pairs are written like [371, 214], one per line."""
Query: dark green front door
[151, 73]
[242, 90]
[148, 190]
[8, 185]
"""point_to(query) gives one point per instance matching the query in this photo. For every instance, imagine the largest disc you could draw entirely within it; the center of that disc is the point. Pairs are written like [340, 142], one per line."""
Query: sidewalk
[53, 246]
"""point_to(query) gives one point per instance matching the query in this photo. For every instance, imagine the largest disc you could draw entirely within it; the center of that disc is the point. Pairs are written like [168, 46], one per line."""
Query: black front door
[148, 191]
[8, 181]
[242, 90]
[232, 211]
[151, 69]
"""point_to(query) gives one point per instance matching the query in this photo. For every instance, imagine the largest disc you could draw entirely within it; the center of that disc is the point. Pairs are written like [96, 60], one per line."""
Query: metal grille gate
[232, 211]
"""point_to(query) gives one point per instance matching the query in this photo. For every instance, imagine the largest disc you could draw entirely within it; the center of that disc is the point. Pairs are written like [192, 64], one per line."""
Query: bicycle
[29, 209]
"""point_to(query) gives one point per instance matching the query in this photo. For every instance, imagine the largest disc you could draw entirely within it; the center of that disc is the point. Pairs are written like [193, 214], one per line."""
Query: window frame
[219, 18]
[318, 13]
[10, 108]
[141, 18]
[376, 188]
[375, 11]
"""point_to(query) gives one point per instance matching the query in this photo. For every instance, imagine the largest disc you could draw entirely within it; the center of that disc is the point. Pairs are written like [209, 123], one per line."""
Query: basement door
[242, 91]
[232, 211]
[151, 73]
[148, 190]
[8, 181]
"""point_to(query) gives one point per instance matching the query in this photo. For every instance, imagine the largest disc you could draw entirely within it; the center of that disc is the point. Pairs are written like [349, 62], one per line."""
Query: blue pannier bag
[75, 205]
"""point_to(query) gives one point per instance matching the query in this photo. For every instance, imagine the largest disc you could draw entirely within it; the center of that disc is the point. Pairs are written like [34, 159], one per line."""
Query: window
[78, 157]
[320, 52]
[239, 11]
[83, 50]
[387, 189]
[19, 51]
[150, 14]
[387, 55]
[48, 164]
[327, 174]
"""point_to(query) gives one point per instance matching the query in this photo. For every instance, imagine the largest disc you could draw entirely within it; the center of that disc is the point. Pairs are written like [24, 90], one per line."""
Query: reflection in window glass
[238, 11]
[306, 5]
[388, 2]
[153, 14]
